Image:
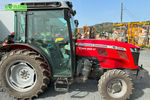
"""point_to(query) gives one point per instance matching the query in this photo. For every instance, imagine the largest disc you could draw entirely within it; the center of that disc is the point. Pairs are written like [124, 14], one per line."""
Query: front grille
[136, 57]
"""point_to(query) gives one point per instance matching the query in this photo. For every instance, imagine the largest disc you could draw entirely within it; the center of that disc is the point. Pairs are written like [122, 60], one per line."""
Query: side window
[20, 27]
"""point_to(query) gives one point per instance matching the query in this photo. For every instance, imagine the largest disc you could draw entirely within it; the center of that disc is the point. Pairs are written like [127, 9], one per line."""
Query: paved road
[88, 91]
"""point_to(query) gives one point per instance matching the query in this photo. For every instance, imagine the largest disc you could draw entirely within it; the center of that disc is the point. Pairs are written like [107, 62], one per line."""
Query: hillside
[107, 27]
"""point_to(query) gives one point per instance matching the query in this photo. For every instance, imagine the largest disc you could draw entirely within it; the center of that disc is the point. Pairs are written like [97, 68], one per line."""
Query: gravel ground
[88, 91]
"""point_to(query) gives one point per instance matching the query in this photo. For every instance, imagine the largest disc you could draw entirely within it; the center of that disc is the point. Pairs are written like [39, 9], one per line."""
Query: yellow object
[58, 39]
[85, 31]
[134, 30]
[78, 32]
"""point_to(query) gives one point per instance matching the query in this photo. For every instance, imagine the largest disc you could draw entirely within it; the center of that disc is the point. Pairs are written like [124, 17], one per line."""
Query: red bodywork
[110, 54]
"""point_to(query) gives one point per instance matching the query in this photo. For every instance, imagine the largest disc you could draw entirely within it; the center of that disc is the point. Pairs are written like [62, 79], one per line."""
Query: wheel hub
[21, 76]
[117, 88]
[24, 74]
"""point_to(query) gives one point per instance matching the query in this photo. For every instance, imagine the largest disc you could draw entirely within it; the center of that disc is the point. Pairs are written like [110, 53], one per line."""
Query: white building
[6, 23]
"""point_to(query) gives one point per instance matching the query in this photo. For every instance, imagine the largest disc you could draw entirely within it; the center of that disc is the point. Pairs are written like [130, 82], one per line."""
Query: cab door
[48, 31]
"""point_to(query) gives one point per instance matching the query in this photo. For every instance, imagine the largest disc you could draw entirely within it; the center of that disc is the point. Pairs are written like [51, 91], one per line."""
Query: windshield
[72, 27]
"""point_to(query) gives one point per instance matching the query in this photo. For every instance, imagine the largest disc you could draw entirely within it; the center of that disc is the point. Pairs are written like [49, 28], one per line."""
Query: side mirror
[74, 12]
[76, 23]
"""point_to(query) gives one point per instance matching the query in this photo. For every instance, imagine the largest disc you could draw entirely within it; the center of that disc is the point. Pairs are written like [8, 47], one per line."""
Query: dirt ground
[88, 91]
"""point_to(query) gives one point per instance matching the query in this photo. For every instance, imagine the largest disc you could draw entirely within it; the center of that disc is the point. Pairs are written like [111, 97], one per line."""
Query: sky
[93, 12]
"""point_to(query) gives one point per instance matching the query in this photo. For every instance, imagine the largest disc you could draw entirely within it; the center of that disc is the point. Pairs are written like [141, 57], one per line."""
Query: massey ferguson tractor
[45, 48]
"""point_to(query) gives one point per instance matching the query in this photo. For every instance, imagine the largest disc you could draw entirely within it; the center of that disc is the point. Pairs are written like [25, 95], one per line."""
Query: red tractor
[44, 49]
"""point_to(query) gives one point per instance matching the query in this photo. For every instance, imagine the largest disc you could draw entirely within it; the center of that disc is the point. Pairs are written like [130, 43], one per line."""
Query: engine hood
[110, 54]
[106, 42]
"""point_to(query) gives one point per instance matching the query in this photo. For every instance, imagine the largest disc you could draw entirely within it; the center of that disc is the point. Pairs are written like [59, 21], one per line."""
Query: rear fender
[9, 47]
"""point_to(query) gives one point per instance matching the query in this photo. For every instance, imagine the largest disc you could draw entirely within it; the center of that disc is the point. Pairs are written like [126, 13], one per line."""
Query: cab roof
[45, 4]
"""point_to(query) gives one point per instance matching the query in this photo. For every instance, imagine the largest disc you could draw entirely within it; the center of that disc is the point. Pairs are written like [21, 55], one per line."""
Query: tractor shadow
[77, 91]
[139, 86]
[89, 91]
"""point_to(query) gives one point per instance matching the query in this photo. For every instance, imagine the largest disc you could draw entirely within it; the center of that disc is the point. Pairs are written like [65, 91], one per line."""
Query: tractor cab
[48, 26]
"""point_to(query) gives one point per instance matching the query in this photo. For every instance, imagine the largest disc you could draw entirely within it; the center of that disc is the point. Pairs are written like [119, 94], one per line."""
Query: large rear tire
[24, 74]
[115, 85]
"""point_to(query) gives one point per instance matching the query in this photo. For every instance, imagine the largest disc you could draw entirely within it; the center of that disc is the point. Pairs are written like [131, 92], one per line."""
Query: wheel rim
[117, 88]
[21, 76]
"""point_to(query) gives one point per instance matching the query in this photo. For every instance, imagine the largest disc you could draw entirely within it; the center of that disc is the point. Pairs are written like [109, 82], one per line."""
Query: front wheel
[115, 85]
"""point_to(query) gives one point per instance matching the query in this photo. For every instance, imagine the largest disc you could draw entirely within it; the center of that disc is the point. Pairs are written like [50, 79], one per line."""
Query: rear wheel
[24, 74]
[115, 85]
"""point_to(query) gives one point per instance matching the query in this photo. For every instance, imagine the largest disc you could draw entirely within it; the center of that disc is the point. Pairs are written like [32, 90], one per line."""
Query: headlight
[136, 50]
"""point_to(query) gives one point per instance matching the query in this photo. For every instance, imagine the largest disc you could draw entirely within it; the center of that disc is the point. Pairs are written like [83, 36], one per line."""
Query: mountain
[106, 27]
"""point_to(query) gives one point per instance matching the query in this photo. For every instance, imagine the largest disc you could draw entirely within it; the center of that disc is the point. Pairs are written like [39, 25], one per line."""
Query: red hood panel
[110, 54]
[106, 42]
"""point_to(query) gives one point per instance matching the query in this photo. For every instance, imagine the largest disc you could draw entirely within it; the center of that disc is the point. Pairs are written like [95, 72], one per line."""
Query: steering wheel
[61, 42]
[41, 43]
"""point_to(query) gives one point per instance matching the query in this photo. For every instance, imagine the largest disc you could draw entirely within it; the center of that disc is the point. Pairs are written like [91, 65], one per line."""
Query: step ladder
[61, 85]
